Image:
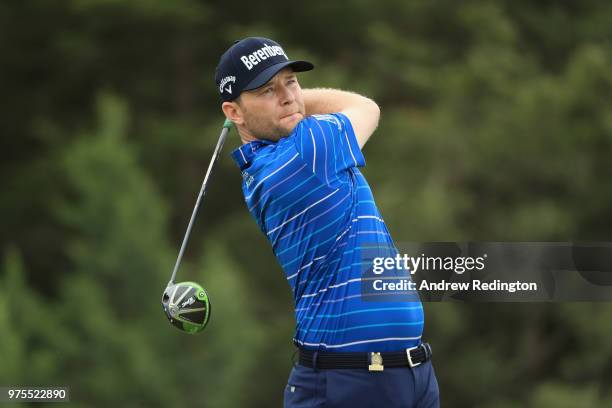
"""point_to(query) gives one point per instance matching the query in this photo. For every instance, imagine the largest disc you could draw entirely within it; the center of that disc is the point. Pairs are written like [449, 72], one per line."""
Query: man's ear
[233, 112]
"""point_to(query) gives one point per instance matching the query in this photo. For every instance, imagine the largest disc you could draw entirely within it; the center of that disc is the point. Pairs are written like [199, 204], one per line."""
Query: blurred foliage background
[496, 125]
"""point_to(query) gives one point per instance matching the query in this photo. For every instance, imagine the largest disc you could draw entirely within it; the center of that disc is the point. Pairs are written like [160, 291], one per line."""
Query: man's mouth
[292, 115]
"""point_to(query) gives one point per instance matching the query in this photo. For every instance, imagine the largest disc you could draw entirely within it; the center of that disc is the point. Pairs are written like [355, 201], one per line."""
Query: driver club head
[187, 306]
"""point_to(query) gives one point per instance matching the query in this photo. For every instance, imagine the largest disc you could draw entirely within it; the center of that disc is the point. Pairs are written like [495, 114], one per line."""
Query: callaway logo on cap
[251, 63]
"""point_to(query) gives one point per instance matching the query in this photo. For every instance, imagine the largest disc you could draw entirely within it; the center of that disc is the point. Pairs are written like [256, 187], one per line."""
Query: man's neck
[245, 135]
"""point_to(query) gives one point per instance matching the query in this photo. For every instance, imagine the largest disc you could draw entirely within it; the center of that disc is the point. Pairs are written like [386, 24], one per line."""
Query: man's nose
[285, 95]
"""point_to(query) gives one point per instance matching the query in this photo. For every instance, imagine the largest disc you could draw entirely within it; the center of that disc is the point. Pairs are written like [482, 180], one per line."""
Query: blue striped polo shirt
[315, 207]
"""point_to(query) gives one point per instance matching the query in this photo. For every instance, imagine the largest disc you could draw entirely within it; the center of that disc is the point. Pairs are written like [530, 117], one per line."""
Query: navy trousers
[400, 387]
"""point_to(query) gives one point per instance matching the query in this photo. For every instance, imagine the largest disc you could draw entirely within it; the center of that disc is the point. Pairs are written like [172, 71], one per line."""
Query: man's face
[273, 110]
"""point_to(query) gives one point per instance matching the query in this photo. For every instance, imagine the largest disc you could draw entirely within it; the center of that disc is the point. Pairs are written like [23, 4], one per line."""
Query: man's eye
[291, 81]
[267, 91]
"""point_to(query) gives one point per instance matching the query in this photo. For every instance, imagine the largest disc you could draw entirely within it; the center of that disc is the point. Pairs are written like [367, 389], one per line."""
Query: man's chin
[281, 131]
[292, 121]
[284, 131]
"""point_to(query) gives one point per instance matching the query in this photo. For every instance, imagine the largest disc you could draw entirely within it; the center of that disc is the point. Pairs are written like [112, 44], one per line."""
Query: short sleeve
[328, 145]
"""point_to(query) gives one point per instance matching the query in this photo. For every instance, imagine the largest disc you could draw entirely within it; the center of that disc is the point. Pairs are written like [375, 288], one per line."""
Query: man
[299, 161]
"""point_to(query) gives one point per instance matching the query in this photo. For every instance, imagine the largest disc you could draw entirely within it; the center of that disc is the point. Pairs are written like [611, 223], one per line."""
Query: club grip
[228, 124]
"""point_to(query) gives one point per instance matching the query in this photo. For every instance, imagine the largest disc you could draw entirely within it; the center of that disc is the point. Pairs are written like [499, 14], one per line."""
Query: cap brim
[267, 74]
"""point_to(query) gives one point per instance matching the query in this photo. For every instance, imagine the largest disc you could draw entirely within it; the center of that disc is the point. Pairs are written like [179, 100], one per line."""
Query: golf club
[186, 304]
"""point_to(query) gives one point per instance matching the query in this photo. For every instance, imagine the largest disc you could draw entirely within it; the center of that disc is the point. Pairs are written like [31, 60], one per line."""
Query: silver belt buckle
[377, 362]
[410, 363]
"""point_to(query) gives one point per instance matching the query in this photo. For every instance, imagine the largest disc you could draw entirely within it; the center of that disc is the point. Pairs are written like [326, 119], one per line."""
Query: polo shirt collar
[244, 155]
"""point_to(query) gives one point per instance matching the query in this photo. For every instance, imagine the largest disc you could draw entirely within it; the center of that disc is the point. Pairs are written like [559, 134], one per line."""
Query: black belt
[411, 357]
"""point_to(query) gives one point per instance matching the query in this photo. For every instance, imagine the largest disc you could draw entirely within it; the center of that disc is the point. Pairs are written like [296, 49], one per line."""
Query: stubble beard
[262, 129]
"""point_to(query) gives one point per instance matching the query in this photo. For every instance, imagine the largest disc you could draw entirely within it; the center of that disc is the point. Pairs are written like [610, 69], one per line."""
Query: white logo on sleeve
[329, 118]
[262, 54]
[224, 82]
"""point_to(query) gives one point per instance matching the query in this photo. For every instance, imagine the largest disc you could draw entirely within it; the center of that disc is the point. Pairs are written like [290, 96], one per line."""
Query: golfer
[299, 161]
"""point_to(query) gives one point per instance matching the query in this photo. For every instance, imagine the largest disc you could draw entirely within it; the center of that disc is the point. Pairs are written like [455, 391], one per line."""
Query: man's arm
[361, 111]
